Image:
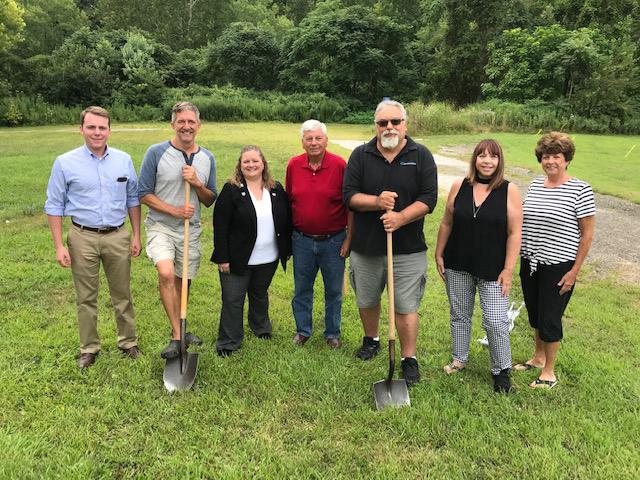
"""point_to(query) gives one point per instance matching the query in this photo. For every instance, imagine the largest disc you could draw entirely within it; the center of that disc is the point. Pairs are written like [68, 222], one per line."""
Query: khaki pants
[87, 250]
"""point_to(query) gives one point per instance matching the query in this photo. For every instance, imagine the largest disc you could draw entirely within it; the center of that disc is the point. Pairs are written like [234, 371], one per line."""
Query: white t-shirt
[265, 250]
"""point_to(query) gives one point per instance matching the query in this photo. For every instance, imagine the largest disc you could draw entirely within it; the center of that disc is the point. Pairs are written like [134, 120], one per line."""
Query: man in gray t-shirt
[165, 168]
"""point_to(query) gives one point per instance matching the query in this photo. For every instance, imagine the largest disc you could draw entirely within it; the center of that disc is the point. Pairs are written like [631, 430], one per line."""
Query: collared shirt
[316, 195]
[94, 192]
[412, 175]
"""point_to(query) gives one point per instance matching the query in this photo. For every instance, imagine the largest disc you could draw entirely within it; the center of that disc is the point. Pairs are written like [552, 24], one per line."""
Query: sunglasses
[394, 121]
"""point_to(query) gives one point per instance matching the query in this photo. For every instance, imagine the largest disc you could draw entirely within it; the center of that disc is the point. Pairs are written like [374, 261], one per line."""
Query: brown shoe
[334, 342]
[133, 352]
[300, 340]
[86, 359]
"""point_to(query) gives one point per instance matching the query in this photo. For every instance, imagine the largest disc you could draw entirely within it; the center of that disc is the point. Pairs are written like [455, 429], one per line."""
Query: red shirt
[316, 195]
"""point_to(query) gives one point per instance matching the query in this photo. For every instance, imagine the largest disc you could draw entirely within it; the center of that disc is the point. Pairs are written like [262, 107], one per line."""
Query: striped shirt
[550, 232]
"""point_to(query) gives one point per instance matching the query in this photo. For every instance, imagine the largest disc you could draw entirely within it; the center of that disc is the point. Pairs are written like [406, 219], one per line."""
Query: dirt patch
[459, 151]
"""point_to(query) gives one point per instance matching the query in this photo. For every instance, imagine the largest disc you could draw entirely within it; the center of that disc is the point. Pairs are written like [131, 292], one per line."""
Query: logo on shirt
[407, 163]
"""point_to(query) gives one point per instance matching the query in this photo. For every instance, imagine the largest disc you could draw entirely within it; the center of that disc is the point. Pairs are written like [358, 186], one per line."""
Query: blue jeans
[309, 255]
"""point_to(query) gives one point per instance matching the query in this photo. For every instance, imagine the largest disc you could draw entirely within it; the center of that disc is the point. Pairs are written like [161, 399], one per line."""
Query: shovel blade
[391, 393]
[178, 378]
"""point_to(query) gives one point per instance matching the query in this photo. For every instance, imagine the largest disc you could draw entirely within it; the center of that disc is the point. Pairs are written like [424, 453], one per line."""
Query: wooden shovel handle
[390, 289]
[345, 281]
[185, 257]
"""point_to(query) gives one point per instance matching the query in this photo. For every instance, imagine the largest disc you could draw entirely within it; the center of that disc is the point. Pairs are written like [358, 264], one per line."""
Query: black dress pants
[254, 283]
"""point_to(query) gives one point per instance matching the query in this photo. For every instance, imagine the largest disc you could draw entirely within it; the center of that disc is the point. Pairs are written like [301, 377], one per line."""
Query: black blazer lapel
[245, 199]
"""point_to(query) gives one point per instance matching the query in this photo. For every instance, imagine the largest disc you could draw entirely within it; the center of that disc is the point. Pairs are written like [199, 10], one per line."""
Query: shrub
[12, 116]
[33, 110]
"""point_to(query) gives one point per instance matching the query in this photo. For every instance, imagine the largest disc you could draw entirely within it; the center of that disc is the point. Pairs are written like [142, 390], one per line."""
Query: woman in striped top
[559, 219]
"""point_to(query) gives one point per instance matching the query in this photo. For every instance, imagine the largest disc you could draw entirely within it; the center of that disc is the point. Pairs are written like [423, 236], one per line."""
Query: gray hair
[391, 103]
[182, 107]
[311, 125]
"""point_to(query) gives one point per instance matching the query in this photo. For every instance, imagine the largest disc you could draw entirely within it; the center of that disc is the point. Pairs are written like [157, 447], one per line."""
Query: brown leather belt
[98, 230]
[321, 238]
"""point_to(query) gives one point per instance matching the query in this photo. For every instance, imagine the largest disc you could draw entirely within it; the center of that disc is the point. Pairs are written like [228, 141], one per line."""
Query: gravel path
[615, 247]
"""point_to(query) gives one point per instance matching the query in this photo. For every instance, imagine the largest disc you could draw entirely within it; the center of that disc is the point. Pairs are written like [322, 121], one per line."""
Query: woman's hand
[224, 268]
[440, 266]
[567, 282]
[504, 279]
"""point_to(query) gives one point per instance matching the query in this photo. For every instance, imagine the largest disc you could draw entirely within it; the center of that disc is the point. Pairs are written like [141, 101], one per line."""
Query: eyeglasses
[394, 121]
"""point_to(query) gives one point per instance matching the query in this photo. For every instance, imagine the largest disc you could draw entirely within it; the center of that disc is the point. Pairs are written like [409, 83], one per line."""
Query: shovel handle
[345, 281]
[185, 257]
[390, 288]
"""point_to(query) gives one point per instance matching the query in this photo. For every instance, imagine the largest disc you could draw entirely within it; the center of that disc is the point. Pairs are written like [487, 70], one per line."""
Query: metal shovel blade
[180, 372]
[392, 393]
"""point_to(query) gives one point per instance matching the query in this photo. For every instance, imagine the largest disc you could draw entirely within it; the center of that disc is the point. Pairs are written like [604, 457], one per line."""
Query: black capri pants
[542, 298]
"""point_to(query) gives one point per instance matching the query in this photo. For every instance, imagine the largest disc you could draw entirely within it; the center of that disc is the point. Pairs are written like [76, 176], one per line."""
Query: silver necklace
[473, 204]
[475, 209]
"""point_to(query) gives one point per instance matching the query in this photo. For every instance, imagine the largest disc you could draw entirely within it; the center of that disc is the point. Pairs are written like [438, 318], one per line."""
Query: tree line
[579, 56]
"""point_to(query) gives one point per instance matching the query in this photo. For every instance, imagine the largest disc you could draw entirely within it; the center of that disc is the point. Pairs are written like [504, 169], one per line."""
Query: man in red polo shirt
[321, 236]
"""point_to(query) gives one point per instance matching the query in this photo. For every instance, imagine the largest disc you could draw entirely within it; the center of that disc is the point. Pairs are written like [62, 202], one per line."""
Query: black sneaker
[223, 352]
[502, 382]
[192, 339]
[172, 350]
[410, 371]
[369, 348]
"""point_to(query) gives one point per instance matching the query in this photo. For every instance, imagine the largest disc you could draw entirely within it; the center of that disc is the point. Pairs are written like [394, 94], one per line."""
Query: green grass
[276, 411]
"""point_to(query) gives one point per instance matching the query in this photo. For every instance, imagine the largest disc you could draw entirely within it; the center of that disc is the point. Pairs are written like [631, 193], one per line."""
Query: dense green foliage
[275, 411]
[580, 57]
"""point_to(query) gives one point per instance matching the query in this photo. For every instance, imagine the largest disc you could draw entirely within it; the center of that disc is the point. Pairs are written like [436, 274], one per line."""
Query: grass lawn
[274, 410]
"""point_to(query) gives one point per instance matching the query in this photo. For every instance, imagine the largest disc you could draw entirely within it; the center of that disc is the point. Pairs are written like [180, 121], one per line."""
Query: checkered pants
[461, 289]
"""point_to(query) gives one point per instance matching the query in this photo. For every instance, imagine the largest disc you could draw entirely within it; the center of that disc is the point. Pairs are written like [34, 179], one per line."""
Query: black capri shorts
[542, 298]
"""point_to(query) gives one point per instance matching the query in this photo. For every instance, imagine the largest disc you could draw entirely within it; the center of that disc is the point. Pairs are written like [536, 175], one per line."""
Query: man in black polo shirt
[390, 183]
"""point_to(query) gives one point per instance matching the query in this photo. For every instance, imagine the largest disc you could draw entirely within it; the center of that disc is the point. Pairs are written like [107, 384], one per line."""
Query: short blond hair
[99, 111]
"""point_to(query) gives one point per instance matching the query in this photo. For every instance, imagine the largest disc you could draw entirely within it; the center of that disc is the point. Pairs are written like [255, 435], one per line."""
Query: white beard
[390, 142]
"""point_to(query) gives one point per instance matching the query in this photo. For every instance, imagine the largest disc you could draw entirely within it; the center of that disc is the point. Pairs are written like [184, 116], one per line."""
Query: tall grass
[34, 110]
[232, 104]
[496, 115]
[239, 104]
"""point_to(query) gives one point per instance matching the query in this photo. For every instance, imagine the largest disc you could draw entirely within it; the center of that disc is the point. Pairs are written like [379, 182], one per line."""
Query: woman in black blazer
[251, 233]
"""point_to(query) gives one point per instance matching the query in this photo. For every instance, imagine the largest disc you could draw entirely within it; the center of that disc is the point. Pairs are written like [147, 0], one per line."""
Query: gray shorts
[369, 276]
[164, 243]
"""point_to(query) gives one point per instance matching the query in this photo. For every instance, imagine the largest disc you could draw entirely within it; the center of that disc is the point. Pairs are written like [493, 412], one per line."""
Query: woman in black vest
[478, 244]
[251, 234]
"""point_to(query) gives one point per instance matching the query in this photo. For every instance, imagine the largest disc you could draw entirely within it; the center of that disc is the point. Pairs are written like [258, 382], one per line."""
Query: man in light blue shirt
[97, 187]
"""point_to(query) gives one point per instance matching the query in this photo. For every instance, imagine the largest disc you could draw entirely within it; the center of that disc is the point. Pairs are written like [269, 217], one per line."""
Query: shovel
[180, 372]
[390, 392]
